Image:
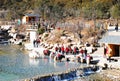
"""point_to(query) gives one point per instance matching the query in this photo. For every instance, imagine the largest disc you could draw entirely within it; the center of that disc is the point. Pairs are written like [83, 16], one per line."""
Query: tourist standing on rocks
[81, 50]
[88, 59]
[108, 53]
[56, 49]
[85, 51]
[66, 50]
[105, 49]
[59, 48]
[37, 42]
[34, 42]
[75, 50]
[116, 27]
[62, 49]
[82, 53]
[70, 49]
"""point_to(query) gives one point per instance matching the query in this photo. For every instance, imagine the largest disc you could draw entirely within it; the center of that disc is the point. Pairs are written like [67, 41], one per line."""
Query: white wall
[33, 36]
[24, 20]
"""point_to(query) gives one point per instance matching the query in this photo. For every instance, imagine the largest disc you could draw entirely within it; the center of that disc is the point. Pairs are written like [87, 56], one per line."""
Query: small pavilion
[112, 39]
[30, 17]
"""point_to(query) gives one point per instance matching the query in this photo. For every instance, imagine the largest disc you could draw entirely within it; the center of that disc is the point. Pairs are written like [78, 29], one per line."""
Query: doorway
[116, 48]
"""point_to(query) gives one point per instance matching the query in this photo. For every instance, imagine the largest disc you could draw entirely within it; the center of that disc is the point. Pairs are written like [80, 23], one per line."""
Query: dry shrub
[54, 36]
[58, 33]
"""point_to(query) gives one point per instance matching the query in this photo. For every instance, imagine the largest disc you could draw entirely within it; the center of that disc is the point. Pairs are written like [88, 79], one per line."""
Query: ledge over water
[70, 74]
[15, 65]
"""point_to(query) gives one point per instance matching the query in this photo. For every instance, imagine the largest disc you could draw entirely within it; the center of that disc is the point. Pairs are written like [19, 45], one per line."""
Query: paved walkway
[112, 31]
[99, 55]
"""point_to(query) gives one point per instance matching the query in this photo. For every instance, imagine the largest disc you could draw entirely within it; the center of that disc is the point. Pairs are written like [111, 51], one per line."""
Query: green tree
[115, 11]
[59, 9]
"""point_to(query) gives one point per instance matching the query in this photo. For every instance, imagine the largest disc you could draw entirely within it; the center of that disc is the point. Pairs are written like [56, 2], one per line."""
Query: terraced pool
[16, 65]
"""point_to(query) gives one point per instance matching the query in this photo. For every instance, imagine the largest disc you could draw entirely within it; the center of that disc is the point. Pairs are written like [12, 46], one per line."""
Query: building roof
[31, 15]
[111, 37]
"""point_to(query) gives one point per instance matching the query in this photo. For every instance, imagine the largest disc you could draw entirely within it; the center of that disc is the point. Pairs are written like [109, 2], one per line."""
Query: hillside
[73, 34]
[60, 9]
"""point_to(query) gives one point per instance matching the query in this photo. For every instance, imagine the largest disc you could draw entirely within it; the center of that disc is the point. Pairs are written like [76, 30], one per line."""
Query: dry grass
[55, 36]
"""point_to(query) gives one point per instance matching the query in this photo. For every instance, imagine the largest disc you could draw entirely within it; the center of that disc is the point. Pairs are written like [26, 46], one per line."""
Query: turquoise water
[8, 77]
[16, 65]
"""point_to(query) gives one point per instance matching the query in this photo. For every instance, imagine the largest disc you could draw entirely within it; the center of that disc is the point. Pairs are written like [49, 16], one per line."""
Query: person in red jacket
[70, 49]
[81, 51]
[75, 50]
[62, 49]
[66, 50]
[56, 49]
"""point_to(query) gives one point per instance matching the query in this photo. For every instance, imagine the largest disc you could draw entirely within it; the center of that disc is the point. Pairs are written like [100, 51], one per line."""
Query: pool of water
[16, 65]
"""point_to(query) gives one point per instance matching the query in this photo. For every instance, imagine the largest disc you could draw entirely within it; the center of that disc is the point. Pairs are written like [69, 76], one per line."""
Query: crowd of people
[83, 52]
[62, 50]
[36, 42]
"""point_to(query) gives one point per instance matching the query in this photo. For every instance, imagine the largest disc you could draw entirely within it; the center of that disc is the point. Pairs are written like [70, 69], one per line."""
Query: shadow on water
[9, 49]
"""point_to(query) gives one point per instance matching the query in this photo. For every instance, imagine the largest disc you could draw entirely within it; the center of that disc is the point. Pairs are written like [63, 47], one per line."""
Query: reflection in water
[14, 64]
[34, 62]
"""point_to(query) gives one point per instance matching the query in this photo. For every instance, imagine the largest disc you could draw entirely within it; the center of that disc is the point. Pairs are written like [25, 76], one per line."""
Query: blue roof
[31, 15]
